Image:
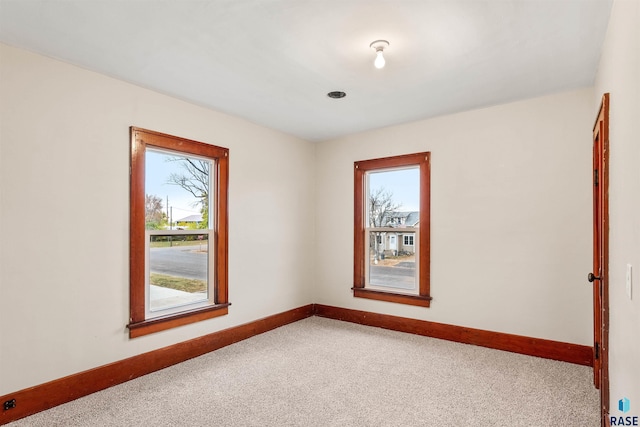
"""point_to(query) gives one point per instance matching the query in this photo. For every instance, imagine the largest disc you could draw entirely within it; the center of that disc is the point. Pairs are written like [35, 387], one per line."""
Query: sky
[157, 171]
[404, 184]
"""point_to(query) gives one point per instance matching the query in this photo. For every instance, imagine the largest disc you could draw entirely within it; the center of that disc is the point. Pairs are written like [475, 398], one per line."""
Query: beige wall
[511, 231]
[619, 74]
[510, 219]
[64, 217]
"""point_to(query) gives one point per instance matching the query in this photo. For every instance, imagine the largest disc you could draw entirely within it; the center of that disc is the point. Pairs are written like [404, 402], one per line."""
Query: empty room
[319, 213]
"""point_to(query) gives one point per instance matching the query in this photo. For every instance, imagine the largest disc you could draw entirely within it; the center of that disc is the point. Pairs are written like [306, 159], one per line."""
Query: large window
[178, 226]
[391, 229]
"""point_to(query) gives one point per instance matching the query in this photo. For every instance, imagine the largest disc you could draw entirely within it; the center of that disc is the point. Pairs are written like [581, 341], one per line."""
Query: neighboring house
[395, 243]
[191, 221]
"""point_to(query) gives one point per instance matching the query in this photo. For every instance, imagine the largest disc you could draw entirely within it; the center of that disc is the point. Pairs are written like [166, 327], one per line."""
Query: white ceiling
[273, 61]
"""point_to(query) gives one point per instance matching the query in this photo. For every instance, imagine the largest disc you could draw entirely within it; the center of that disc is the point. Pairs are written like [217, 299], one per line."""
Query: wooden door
[595, 277]
[599, 275]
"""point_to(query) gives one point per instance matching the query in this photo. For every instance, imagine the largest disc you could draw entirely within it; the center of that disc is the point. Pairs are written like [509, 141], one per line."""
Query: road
[189, 262]
[393, 277]
[180, 261]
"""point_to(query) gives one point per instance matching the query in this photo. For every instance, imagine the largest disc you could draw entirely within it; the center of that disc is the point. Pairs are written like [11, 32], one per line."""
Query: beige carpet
[321, 372]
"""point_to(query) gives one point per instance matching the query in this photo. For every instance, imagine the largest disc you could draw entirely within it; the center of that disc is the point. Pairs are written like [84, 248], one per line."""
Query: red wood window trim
[140, 140]
[423, 297]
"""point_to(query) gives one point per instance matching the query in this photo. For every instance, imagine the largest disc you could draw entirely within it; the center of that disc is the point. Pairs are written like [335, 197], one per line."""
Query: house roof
[191, 218]
[274, 62]
[409, 218]
[412, 219]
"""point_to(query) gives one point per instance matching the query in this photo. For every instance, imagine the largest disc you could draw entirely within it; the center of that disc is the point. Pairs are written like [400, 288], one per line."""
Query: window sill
[162, 323]
[419, 300]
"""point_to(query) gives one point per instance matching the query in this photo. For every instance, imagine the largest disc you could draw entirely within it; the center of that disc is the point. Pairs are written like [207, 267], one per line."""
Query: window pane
[393, 201]
[178, 270]
[391, 195]
[177, 191]
[392, 264]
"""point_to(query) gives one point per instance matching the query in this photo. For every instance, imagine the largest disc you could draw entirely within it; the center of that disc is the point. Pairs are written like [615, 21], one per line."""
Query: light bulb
[379, 46]
[379, 62]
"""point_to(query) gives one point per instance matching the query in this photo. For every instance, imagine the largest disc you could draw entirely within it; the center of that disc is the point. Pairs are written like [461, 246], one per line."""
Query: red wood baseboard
[572, 353]
[44, 396]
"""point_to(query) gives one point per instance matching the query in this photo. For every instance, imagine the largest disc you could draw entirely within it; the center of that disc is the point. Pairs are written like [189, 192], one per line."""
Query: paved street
[180, 261]
[189, 262]
[393, 277]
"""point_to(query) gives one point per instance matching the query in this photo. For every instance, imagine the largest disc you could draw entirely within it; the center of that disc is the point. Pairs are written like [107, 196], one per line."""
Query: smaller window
[391, 199]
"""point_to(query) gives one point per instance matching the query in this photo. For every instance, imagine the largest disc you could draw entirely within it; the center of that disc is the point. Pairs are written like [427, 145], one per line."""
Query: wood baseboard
[572, 353]
[44, 396]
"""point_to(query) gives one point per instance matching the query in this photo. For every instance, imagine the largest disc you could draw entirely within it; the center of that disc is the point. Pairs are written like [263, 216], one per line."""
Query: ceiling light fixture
[379, 46]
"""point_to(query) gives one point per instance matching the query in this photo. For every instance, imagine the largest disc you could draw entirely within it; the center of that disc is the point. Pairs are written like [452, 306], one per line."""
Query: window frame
[139, 324]
[405, 239]
[361, 168]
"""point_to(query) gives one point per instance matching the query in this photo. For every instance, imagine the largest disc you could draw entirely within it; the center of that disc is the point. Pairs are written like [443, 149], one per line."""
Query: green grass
[178, 283]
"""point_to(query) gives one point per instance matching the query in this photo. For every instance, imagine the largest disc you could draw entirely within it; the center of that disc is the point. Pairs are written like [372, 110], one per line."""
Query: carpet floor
[322, 372]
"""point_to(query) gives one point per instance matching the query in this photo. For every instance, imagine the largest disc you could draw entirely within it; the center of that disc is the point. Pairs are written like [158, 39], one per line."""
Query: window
[391, 199]
[178, 232]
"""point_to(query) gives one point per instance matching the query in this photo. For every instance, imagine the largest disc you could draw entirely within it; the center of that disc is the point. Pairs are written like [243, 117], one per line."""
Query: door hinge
[597, 348]
[595, 177]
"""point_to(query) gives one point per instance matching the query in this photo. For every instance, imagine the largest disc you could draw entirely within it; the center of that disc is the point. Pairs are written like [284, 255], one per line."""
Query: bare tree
[195, 180]
[381, 208]
[153, 213]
